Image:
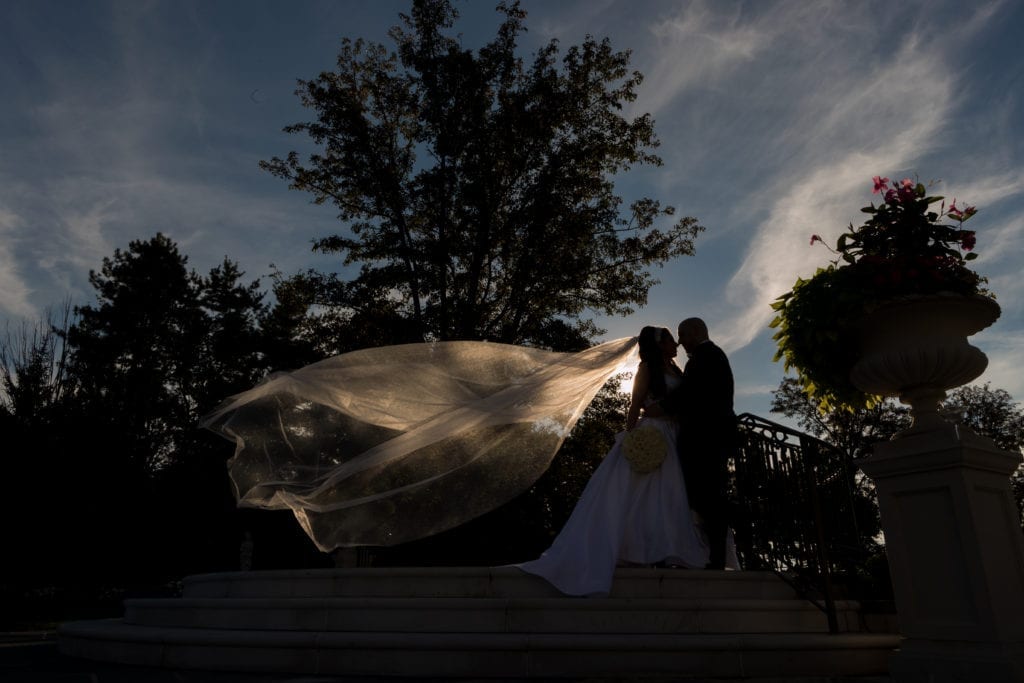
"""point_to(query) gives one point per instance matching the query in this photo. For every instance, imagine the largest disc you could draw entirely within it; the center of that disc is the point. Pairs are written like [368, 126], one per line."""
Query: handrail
[781, 477]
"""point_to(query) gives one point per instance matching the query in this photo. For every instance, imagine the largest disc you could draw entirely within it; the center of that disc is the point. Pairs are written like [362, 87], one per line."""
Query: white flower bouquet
[645, 449]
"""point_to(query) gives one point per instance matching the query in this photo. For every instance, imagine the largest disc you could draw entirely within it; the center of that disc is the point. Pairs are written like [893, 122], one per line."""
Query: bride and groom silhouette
[677, 514]
[386, 445]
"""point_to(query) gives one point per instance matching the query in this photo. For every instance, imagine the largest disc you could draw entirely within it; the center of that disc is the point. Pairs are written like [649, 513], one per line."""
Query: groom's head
[692, 331]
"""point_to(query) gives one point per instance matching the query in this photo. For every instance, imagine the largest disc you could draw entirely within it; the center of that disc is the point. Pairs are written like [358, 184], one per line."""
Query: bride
[627, 518]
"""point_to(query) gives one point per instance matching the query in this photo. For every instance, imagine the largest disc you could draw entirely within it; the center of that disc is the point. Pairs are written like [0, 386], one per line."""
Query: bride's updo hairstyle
[649, 347]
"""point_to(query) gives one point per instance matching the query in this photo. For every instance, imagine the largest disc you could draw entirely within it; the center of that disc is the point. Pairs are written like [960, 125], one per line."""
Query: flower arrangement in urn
[911, 244]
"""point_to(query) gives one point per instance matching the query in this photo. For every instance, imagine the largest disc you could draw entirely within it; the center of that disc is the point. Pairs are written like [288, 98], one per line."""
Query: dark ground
[32, 657]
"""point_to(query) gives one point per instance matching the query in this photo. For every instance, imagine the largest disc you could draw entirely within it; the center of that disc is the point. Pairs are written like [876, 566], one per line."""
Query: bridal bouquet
[907, 247]
[645, 449]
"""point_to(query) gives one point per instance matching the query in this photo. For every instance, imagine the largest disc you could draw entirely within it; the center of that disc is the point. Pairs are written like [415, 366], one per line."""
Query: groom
[708, 435]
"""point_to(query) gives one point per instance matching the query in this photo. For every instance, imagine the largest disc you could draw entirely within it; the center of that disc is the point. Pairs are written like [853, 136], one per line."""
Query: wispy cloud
[569, 18]
[120, 149]
[773, 117]
[877, 122]
[1000, 233]
[1005, 349]
[89, 218]
[743, 390]
[698, 46]
[14, 291]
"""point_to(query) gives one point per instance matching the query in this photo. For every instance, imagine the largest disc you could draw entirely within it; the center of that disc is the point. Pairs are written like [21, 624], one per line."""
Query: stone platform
[478, 623]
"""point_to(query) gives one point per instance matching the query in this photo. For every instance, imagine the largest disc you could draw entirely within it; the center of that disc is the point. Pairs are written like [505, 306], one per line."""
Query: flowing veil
[391, 444]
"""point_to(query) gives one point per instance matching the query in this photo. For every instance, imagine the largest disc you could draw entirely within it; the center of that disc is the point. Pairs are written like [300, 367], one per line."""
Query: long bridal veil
[387, 445]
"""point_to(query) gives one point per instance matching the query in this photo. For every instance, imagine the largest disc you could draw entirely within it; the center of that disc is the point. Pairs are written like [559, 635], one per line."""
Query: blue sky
[121, 119]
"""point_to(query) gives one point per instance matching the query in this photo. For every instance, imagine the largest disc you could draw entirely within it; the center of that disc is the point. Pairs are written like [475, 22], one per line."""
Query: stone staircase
[478, 623]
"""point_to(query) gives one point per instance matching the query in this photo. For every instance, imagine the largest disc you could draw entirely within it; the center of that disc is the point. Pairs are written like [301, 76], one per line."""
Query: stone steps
[492, 615]
[478, 582]
[485, 655]
[476, 623]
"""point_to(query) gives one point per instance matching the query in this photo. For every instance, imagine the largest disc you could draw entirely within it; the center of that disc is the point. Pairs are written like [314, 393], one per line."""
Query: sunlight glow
[628, 373]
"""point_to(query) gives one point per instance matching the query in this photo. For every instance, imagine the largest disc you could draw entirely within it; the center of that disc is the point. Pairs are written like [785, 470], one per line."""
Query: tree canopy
[477, 190]
[853, 432]
[992, 413]
[160, 346]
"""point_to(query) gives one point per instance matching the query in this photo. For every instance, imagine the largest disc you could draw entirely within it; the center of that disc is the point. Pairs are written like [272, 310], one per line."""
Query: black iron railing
[795, 510]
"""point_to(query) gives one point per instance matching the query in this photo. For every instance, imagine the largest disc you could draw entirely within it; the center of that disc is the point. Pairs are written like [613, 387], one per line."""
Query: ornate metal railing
[795, 511]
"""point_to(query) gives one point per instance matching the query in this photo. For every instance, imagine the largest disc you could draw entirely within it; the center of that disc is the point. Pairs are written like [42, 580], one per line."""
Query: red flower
[967, 240]
[816, 238]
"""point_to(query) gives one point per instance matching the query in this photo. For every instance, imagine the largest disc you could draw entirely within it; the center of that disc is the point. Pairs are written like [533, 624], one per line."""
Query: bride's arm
[641, 383]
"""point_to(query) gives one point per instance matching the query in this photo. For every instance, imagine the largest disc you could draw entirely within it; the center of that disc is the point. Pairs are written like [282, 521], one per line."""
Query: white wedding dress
[624, 519]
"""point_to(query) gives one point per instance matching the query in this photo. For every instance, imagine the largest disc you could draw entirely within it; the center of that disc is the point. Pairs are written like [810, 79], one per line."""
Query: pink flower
[880, 184]
[890, 196]
[816, 238]
[906, 190]
[967, 240]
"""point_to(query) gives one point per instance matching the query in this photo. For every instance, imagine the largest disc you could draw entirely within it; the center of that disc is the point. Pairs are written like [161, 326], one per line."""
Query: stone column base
[922, 661]
[956, 554]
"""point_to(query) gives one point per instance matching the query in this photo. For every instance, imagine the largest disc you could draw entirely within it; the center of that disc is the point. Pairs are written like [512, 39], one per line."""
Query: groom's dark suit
[708, 437]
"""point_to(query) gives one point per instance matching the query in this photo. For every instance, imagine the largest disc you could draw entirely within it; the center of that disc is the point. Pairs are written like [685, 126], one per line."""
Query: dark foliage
[852, 432]
[990, 412]
[102, 413]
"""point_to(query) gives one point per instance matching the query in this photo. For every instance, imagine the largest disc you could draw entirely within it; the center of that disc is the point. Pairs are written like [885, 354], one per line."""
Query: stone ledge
[483, 655]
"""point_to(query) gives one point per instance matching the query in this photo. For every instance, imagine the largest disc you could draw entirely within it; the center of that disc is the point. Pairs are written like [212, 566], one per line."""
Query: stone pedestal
[956, 554]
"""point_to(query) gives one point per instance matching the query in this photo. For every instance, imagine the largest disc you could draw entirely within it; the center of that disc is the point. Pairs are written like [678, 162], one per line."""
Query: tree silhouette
[477, 191]
[992, 413]
[33, 386]
[144, 487]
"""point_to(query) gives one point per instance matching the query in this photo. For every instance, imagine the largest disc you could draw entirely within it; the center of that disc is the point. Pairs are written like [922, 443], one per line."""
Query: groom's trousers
[707, 486]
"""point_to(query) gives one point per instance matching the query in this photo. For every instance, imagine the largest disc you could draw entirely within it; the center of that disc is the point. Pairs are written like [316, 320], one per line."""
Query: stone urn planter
[916, 348]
